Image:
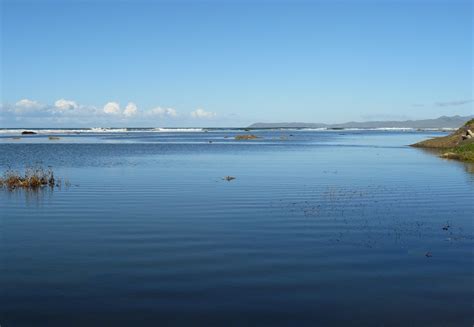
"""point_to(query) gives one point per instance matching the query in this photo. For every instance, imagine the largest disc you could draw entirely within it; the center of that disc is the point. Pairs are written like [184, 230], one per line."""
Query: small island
[458, 145]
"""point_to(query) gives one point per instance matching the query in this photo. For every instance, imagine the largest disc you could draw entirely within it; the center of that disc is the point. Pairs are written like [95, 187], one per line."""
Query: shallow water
[318, 228]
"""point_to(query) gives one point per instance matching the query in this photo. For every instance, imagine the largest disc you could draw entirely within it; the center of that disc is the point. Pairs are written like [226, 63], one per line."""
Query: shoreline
[457, 146]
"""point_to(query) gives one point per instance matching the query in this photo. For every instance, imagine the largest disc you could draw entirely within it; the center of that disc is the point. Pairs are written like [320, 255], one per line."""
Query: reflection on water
[33, 197]
[468, 166]
[320, 228]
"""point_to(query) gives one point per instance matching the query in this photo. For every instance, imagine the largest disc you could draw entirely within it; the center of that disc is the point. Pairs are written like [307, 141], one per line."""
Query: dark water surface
[317, 229]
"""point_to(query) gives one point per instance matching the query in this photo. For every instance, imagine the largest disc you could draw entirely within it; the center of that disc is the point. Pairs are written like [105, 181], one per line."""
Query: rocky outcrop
[469, 135]
[463, 135]
[458, 146]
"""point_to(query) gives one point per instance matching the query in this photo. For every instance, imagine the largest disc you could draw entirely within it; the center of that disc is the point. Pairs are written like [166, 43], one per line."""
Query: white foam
[107, 130]
[98, 130]
[171, 130]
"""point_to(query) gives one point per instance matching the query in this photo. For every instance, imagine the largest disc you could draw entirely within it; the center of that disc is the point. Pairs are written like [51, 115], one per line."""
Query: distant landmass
[441, 122]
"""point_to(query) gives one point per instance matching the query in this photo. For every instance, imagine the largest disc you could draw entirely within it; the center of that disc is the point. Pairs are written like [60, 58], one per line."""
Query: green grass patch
[463, 152]
[469, 123]
[466, 152]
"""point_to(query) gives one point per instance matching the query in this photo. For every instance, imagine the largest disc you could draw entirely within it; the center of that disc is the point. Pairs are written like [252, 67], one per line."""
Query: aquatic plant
[246, 137]
[32, 178]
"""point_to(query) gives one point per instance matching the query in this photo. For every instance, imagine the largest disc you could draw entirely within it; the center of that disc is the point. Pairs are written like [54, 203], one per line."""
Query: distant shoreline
[443, 122]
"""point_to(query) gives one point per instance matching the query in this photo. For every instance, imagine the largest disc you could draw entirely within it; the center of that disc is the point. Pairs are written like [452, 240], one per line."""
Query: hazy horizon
[243, 126]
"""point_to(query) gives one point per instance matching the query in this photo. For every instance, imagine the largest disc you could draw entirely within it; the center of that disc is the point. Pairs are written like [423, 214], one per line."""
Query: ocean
[318, 228]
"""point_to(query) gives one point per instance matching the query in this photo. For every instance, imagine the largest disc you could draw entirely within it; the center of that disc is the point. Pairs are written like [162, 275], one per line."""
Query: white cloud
[130, 110]
[453, 103]
[63, 104]
[163, 112]
[201, 113]
[112, 108]
[66, 111]
[28, 104]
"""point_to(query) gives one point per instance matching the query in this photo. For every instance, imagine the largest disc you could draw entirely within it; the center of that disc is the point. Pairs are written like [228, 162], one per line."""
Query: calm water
[318, 229]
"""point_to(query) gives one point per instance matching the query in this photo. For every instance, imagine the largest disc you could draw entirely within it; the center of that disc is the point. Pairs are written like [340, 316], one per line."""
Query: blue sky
[231, 63]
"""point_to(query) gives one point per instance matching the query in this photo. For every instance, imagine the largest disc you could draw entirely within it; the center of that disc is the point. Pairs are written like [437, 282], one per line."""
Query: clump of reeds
[32, 178]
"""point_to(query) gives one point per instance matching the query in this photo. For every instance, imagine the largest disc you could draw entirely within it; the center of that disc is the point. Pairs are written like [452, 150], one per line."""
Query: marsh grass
[32, 178]
[463, 152]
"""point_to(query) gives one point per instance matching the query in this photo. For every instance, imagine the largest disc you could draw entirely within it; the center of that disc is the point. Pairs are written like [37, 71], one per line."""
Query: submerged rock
[228, 178]
[450, 155]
